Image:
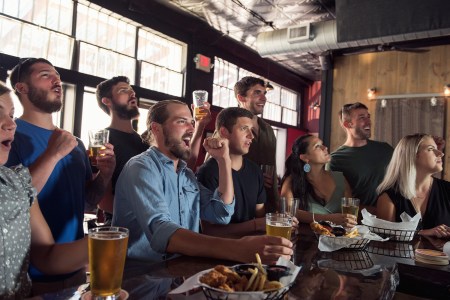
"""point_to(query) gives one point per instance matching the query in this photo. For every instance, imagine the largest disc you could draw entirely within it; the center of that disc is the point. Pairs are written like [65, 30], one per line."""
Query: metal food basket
[217, 294]
[394, 234]
[403, 250]
[358, 244]
[352, 260]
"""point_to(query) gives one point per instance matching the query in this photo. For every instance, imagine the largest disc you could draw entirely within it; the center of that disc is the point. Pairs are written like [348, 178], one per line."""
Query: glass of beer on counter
[350, 206]
[279, 224]
[97, 140]
[107, 253]
[199, 97]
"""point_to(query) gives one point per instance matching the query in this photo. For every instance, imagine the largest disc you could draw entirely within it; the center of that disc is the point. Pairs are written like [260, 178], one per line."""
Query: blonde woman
[409, 186]
[320, 191]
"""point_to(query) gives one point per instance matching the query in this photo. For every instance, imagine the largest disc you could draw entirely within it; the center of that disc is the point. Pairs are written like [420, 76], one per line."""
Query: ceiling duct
[323, 37]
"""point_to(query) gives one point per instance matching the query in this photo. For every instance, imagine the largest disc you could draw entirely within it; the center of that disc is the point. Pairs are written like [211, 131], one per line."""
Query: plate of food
[244, 281]
[336, 237]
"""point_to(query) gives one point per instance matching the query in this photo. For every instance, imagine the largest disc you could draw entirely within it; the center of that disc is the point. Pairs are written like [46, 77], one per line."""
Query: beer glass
[279, 224]
[268, 170]
[107, 253]
[199, 97]
[97, 140]
[350, 206]
[289, 205]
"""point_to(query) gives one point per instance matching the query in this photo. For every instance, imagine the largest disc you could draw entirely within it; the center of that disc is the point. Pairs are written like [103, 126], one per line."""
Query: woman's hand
[345, 220]
[441, 231]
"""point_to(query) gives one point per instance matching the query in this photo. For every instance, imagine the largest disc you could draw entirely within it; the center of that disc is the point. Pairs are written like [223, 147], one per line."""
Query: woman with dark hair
[319, 191]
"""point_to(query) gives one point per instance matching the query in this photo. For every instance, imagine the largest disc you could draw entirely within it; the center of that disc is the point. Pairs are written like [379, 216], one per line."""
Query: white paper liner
[407, 223]
[194, 282]
[331, 243]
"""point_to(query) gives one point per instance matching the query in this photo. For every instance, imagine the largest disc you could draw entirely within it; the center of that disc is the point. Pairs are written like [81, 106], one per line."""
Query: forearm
[60, 258]
[225, 180]
[234, 230]
[96, 189]
[41, 170]
[307, 217]
[190, 243]
[195, 144]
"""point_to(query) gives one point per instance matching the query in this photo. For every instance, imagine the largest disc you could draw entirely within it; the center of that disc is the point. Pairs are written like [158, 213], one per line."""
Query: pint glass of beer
[97, 140]
[107, 253]
[279, 224]
[199, 97]
[350, 206]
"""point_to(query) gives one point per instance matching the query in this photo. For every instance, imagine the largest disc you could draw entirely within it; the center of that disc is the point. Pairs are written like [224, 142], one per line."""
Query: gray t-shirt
[16, 196]
[363, 167]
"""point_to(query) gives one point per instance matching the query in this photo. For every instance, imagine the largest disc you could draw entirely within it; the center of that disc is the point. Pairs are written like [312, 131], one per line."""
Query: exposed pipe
[324, 37]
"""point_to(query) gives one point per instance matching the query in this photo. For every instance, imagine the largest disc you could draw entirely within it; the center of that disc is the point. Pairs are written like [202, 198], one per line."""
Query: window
[52, 14]
[27, 40]
[105, 63]
[93, 116]
[281, 105]
[163, 62]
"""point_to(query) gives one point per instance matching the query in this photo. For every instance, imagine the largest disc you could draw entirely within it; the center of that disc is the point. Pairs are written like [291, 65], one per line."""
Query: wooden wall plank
[392, 73]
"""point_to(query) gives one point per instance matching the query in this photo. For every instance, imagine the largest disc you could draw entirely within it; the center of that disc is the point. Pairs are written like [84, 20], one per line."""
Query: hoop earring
[307, 168]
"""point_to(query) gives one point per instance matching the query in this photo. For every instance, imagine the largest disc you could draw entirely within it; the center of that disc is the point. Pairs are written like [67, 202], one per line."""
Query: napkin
[408, 223]
[331, 243]
[193, 281]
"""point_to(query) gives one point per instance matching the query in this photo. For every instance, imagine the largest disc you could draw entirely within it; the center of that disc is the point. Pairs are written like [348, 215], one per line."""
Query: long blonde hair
[401, 171]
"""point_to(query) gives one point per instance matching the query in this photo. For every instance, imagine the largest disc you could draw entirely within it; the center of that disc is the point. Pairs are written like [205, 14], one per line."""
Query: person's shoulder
[378, 144]
[442, 183]
[208, 166]
[251, 164]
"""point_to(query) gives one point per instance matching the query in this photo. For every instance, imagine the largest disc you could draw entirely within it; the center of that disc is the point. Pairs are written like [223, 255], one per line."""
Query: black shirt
[438, 206]
[248, 187]
[126, 145]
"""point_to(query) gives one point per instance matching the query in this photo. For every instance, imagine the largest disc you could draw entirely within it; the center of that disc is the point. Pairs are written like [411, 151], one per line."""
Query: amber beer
[279, 225]
[199, 113]
[107, 253]
[199, 97]
[350, 206]
[97, 141]
[350, 209]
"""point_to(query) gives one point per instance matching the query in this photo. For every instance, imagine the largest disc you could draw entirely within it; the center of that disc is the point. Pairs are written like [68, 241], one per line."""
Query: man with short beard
[362, 160]
[57, 161]
[117, 98]
[160, 201]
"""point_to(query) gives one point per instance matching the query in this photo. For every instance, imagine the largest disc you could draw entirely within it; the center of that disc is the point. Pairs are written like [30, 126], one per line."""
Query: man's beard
[176, 147]
[125, 113]
[362, 134]
[39, 98]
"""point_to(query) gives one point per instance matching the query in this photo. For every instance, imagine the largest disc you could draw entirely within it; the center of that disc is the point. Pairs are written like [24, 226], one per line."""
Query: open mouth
[187, 141]
[7, 143]
[57, 90]
[133, 101]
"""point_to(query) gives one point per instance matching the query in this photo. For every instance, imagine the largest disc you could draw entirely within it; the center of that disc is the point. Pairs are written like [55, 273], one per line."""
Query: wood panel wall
[391, 73]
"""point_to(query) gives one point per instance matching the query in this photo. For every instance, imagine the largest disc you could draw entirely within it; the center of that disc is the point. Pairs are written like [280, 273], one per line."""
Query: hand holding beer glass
[97, 141]
[199, 97]
[350, 206]
[107, 253]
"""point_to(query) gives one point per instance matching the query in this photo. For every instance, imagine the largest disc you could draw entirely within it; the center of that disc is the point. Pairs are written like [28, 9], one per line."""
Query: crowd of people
[148, 185]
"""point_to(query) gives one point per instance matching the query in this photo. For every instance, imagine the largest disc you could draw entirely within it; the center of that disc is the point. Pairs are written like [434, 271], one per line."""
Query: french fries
[224, 278]
[352, 234]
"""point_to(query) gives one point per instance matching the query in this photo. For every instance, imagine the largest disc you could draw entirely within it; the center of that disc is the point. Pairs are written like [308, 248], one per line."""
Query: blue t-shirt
[153, 201]
[63, 196]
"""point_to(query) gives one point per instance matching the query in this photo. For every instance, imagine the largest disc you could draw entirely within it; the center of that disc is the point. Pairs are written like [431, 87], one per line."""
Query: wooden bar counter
[377, 272]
